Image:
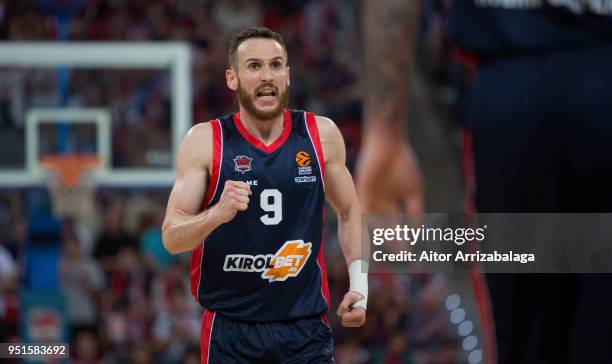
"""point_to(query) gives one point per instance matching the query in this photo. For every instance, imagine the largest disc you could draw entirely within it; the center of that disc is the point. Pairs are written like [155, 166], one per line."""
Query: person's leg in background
[589, 190]
[519, 167]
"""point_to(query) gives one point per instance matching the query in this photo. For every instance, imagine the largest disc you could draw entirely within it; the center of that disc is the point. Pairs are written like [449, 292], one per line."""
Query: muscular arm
[341, 195]
[340, 190]
[184, 228]
[388, 174]
[389, 27]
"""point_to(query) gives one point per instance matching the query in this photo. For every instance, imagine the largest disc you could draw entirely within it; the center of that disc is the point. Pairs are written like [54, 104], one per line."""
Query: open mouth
[266, 94]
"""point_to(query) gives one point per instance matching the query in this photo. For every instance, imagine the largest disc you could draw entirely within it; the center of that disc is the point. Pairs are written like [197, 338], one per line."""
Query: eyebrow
[259, 59]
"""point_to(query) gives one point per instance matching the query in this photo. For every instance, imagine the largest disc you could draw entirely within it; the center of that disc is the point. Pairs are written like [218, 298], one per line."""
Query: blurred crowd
[128, 300]
[321, 37]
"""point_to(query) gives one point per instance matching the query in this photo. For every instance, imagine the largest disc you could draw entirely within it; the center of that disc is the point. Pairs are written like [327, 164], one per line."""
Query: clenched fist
[235, 197]
[389, 178]
[351, 316]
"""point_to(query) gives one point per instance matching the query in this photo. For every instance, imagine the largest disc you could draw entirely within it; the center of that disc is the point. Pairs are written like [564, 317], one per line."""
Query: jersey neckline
[258, 143]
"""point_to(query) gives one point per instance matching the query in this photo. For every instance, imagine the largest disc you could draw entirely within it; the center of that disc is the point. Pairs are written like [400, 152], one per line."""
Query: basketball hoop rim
[70, 167]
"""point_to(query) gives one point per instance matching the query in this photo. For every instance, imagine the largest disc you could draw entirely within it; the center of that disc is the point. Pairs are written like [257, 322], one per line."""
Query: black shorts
[226, 341]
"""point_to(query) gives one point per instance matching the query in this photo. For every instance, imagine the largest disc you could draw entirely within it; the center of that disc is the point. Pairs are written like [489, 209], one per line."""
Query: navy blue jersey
[500, 27]
[267, 263]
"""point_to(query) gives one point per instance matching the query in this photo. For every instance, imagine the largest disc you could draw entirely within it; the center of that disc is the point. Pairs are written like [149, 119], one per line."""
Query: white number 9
[274, 208]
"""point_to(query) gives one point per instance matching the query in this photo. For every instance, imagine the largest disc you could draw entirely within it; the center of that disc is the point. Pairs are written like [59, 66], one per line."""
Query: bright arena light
[465, 328]
[475, 357]
[452, 302]
[470, 342]
[457, 316]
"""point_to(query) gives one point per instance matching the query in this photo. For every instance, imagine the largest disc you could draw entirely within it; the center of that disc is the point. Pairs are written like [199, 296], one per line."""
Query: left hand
[351, 316]
[389, 178]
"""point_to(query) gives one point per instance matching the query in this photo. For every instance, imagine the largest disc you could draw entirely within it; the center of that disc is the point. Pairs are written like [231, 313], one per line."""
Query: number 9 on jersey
[271, 201]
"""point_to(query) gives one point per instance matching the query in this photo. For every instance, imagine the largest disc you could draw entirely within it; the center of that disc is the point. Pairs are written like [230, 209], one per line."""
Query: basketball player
[248, 202]
[539, 115]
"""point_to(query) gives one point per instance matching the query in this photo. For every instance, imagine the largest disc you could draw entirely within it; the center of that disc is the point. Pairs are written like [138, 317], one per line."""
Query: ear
[231, 78]
[288, 76]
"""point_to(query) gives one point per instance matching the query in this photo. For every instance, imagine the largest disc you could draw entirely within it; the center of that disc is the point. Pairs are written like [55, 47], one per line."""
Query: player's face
[262, 79]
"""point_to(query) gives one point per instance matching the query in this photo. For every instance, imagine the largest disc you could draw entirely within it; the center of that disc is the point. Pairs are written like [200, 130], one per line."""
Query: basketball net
[70, 187]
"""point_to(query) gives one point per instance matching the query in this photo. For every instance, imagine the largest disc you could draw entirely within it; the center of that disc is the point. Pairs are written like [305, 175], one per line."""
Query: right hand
[235, 197]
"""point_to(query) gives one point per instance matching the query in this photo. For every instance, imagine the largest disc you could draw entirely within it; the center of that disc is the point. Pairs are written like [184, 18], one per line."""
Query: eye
[253, 66]
[276, 65]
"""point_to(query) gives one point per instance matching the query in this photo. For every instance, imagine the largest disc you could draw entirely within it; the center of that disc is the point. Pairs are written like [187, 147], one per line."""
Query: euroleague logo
[304, 163]
[242, 163]
[287, 262]
[302, 159]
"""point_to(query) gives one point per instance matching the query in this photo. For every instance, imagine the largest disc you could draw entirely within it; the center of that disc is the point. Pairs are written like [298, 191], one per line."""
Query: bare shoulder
[331, 139]
[326, 126]
[196, 147]
[200, 132]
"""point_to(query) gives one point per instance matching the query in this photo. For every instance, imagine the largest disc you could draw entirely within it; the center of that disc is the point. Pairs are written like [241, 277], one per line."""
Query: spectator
[8, 283]
[128, 279]
[141, 353]
[113, 236]
[86, 348]
[81, 279]
[151, 245]
[235, 15]
[176, 328]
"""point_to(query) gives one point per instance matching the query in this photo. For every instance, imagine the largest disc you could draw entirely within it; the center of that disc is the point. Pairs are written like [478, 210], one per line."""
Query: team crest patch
[242, 164]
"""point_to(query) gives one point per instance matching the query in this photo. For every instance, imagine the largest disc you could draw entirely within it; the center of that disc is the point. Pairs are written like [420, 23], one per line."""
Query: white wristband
[358, 276]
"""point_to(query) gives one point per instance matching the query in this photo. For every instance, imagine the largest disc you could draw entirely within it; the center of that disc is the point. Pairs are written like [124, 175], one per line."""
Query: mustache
[267, 85]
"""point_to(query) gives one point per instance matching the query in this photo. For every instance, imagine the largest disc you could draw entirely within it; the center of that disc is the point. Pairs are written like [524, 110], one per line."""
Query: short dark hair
[248, 33]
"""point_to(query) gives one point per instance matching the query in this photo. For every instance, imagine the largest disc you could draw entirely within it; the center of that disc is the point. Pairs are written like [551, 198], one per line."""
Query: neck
[267, 131]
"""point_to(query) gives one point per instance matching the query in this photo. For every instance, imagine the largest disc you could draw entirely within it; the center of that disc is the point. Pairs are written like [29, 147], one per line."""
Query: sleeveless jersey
[503, 27]
[267, 263]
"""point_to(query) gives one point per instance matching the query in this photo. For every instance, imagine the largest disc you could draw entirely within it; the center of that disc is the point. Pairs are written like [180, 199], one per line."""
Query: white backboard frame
[173, 55]
[99, 116]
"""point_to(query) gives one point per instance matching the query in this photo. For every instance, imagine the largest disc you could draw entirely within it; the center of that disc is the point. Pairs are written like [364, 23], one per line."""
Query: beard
[247, 101]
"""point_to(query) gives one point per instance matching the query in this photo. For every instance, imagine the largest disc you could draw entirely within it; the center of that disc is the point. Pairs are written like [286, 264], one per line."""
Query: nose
[266, 74]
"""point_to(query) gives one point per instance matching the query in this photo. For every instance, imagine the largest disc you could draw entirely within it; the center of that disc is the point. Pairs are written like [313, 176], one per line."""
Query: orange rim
[70, 167]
